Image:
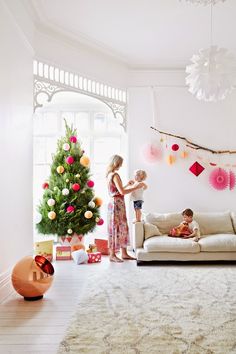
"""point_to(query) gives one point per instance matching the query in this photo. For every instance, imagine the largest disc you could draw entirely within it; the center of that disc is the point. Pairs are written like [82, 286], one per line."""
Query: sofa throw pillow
[164, 222]
[214, 223]
[151, 230]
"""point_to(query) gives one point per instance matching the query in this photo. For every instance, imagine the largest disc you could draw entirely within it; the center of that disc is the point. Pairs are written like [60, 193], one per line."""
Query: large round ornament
[84, 161]
[88, 214]
[51, 202]
[60, 169]
[76, 187]
[66, 147]
[70, 160]
[65, 191]
[52, 215]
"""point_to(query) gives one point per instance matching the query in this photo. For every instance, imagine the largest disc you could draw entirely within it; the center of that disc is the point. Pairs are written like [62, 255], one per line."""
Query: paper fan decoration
[151, 153]
[219, 179]
[231, 180]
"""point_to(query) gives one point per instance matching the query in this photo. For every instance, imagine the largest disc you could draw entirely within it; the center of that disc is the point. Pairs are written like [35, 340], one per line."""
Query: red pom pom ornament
[70, 160]
[45, 185]
[90, 184]
[70, 209]
[175, 147]
[76, 187]
[73, 139]
[100, 222]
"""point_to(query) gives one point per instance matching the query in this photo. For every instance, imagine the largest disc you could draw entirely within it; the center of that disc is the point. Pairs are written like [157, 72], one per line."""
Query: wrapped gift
[94, 257]
[45, 249]
[102, 246]
[63, 253]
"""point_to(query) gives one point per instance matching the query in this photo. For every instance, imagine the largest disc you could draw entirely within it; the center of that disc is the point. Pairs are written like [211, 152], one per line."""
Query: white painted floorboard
[38, 327]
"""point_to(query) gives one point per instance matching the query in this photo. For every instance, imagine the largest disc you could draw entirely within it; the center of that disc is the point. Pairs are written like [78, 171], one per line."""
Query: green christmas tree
[69, 204]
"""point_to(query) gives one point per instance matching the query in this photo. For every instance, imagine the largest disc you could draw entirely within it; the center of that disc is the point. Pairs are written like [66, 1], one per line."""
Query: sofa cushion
[233, 218]
[164, 222]
[214, 223]
[218, 243]
[150, 230]
[170, 244]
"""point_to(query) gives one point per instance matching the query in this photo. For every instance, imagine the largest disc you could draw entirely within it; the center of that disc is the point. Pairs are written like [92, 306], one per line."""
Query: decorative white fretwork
[49, 80]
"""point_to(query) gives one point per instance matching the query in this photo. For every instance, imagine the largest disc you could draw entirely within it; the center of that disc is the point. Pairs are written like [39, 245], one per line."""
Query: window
[98, 131]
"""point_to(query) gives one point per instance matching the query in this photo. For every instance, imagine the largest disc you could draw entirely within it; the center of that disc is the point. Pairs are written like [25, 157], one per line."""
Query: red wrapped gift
[102, 246]
[94, 257]
[63, 253]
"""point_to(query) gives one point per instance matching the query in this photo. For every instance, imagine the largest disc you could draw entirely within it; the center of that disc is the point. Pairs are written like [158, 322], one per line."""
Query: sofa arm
[138, 235]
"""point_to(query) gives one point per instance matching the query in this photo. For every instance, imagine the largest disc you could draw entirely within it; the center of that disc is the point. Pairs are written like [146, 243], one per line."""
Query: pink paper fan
[219, 179]
[151, 153]
[231, 180]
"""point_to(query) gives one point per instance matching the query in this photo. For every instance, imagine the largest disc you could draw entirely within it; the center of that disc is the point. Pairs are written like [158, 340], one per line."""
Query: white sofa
[217, 242]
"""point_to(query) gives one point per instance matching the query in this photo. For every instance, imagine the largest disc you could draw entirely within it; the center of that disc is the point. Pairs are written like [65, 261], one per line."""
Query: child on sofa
[137, 195]
[188, 228]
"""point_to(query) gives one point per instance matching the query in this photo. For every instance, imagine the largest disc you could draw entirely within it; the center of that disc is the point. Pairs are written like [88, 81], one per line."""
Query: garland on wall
[219, 178]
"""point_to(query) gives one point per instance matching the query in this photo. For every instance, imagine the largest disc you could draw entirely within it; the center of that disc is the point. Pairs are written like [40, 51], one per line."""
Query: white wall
[212, 125]
[78, 58]
[16, 141]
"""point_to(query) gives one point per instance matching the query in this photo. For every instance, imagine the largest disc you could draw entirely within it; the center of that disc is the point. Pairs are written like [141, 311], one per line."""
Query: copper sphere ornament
[32, 277]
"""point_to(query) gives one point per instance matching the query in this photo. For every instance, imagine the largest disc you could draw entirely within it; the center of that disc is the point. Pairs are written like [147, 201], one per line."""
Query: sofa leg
[139, 263]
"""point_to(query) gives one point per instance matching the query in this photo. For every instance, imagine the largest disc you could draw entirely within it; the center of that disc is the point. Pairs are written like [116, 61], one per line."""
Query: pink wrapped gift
[94, 257]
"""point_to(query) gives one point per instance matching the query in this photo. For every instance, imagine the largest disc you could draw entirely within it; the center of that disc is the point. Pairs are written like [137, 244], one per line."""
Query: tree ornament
[77, 176]
[98, 201]
[52, 215]
[97, 219]
[100, 222]
[69, 231]
[38, 218]
[90, 184]
[231, 180]
[73, 139]
[196, 168]
[65, 191]
[51, 202]
[170, 159]
[60, 169]
[67, 180]
[76, 187]
[184, 154]
[151, 153]
[175, 147]
[84, 161]
[45, 185]
[66, 147]
[219, 179]
[88, 214]
[70, 209]
[70, 160]
[91, 204]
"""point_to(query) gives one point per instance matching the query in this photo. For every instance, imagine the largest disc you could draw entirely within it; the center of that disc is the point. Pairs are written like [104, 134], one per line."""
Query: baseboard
[5, 285]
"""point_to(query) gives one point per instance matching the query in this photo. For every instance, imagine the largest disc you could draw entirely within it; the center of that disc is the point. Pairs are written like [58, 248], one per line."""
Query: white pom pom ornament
[51, 202]
[65, 191]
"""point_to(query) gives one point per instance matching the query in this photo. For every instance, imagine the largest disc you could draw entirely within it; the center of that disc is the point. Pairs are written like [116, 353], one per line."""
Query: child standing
[137, 195]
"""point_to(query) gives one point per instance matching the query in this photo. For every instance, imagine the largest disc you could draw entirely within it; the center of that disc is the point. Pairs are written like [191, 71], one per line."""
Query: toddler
[188, 228]
[137, 195]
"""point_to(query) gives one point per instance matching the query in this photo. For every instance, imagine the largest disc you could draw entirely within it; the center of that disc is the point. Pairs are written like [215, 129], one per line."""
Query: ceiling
[143, 34]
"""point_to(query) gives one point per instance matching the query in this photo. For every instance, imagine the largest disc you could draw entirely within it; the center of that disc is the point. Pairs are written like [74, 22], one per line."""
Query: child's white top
[138, 193]
[194, 226]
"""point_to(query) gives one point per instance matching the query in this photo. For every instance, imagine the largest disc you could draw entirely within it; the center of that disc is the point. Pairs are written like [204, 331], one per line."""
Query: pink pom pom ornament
[70, 209]
[76, 187]
[90, 184]
[73, 139]
[100, 222]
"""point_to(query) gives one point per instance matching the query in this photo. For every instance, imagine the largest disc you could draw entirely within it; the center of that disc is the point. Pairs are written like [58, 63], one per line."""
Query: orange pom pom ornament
[98, 201]
[84, 161]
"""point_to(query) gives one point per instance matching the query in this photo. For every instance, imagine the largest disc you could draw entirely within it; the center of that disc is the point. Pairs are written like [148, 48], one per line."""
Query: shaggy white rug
[156, 309]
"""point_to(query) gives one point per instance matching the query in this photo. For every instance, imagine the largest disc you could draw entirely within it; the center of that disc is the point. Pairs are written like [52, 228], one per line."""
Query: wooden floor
[38, 327]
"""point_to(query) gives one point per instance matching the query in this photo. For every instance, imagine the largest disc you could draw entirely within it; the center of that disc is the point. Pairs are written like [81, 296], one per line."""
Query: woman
[118, 231]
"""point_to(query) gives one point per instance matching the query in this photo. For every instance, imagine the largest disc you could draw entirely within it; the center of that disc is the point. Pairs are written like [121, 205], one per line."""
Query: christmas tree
[69, 205]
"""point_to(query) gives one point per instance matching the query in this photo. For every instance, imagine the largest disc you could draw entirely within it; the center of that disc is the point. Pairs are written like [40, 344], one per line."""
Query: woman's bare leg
[125, 255]
[113, 257]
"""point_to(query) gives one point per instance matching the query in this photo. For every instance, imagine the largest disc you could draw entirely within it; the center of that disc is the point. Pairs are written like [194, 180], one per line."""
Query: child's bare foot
[196, 239]
[115, 259]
